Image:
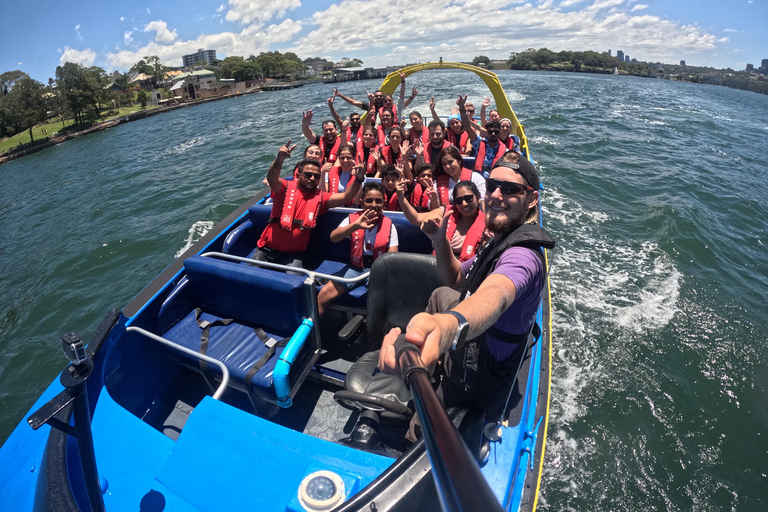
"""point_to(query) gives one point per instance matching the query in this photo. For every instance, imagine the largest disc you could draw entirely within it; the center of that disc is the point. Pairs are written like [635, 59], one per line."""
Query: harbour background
[656, 191]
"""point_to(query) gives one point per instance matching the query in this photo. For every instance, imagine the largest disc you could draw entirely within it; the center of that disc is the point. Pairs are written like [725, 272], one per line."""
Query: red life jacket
[391, 204]
[451, 136]
[388, 158]
[395, 121]
[359, 135]
[285, 232]
[480, 157]
[509, 143]
[333, 179]
[380, 244]
[334, 150]
[427, 155]
[286, 205]
[419, 199]
[413, 136]
[370, 164]
[383, 134]
[473, 238]
[443, 188]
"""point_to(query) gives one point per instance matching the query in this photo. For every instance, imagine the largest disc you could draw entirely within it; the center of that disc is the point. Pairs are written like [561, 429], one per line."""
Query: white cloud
[568, 3]
[221, 8]
[148, 11]
[248, 11]
[127, 36]
[730, 30]
[163, 34]
[461, 29]
[84, 57]
[77, 32]
[122, 18]
[251, 40]
[639, 7]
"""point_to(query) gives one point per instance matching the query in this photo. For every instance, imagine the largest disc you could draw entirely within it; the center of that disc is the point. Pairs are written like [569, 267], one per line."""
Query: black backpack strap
[519, 339]
[205, 335]
[272, 345]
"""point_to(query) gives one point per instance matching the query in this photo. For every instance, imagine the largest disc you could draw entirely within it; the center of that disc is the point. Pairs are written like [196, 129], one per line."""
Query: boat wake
[196, 232]
[606, 292]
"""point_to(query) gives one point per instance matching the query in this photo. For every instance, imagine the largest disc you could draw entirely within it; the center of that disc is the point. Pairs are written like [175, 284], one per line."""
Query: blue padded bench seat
[323, 255]
[253, 297]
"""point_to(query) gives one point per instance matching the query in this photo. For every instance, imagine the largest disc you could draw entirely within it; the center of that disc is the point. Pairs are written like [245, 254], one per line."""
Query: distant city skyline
[38, 37]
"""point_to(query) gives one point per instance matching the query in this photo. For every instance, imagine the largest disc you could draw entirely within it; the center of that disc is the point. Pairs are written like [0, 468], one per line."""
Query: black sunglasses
[508, 188]
[309, 175]
[464, 199]
[494, 132]
[373, 200]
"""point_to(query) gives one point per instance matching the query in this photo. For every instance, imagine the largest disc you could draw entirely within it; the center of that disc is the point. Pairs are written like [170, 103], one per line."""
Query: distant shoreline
[133, 116]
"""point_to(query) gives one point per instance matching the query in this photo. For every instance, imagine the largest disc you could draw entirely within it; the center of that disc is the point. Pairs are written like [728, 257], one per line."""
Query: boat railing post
[74, 378]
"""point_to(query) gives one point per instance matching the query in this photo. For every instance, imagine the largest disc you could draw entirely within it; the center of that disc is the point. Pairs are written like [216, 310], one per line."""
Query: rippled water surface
[656, 191]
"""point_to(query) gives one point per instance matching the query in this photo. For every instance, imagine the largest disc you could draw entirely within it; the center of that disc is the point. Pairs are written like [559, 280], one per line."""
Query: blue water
[656, 191]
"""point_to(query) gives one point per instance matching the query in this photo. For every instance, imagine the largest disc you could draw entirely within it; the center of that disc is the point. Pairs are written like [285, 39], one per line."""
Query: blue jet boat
[219, 388]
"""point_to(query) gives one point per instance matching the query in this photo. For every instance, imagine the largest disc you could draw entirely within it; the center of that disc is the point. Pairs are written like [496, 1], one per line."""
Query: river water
[656, 191]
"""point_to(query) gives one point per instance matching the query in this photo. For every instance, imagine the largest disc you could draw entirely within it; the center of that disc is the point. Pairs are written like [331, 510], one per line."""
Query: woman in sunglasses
[466, 223]
[371, 234]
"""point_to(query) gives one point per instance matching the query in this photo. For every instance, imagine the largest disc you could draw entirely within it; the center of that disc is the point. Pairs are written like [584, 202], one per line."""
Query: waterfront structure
[208, 56]
[682, 63]
[750, 68]
[620, 55]
[626, 58]
[609, 52]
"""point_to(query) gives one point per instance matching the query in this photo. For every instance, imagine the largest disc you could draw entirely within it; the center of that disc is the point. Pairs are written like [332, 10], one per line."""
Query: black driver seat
[400, 287]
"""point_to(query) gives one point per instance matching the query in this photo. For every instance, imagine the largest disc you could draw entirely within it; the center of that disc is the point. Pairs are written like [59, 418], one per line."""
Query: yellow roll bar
[392, 81]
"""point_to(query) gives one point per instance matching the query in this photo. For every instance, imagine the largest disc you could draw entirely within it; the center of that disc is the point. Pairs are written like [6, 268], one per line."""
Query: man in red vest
[329, 142]
[296, 207]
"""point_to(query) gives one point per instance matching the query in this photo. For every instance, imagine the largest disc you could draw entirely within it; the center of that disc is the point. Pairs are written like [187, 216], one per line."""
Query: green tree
[158, 69]
[24, 104]
[481, 59]
[142, 96]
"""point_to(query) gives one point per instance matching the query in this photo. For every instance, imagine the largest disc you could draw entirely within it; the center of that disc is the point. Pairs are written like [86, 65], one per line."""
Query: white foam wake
[196, 232]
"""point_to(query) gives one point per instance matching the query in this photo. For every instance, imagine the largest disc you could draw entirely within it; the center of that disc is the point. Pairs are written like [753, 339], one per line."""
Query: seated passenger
[429, 154]
[455, 134]
[340, 176]
[355, 128]
[466, 226]
[367, 152]
[389, 179]
[450, 170]
[330, 141]
[377, 101]
[505, 136]
[387, 122]
[423, 195]
[488, 150]
[286, 236]
[417, 133]
[311, 152]
[372, 234]
[398, 151]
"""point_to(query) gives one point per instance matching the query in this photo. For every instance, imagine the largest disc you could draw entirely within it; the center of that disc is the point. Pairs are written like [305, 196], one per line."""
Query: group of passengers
[419, 171]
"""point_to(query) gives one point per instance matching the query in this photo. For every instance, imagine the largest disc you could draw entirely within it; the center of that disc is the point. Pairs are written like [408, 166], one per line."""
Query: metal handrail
[208, 359]
[309, 273]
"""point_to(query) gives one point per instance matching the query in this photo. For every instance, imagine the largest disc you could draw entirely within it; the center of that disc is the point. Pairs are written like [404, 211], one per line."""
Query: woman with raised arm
[466, 226]
[397, 152]
[368, 151]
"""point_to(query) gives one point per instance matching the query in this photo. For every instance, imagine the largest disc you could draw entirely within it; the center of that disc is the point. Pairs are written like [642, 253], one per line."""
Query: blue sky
[38, 35]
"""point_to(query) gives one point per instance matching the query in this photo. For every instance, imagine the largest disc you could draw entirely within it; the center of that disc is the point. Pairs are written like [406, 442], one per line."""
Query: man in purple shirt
[482, 321]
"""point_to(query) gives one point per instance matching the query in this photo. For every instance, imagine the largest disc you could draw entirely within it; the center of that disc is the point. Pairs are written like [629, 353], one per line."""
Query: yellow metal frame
[392, 81]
